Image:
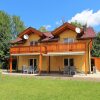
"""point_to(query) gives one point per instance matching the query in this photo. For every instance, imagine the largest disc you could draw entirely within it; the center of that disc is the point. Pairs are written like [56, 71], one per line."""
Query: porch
[55, 57]
[62, 63]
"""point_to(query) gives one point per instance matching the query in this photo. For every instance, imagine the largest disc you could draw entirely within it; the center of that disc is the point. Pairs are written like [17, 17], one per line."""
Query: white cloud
[87, 17]
[47, 26]
[59, 22]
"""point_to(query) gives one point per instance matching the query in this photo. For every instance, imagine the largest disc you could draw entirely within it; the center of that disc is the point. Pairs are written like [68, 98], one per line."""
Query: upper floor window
[69, 40]
[33, 43]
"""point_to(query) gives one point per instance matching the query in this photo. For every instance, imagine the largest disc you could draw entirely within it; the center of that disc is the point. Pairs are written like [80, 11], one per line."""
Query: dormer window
[33, 43]
[69, 40]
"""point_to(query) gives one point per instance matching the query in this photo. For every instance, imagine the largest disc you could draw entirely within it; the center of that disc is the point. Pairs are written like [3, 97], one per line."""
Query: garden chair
[24, 69]
[72, 70]
[31, 70]
[36, 69]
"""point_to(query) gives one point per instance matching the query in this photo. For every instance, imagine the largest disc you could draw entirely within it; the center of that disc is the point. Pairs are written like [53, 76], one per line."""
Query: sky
[50, 13]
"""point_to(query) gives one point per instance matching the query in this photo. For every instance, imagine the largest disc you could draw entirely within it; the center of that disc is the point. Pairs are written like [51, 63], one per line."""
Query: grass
[31, 88]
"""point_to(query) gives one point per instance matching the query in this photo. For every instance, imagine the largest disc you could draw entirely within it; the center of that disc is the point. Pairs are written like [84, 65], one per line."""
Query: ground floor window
[68, 62]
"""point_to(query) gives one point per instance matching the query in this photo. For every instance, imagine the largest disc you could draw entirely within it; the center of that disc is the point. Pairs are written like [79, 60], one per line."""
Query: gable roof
[84, 34]
[30, 30]
[63, 27]
[53, 36]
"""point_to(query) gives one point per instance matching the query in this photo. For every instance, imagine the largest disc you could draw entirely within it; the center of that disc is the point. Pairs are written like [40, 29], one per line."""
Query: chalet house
[66, 47]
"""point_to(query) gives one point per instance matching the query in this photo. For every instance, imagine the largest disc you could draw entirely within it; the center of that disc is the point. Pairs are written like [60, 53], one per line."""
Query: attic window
[33, 43]
[69, 40]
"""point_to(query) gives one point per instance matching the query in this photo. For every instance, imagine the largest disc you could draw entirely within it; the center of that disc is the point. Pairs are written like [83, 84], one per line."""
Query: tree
[5, 35]
[10, 26]
[96, 46]
[77, 24]
[43, 29]
[17, 26]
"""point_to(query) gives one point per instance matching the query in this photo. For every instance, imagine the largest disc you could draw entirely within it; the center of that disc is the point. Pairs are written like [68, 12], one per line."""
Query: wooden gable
[30, 30]
[64, 27]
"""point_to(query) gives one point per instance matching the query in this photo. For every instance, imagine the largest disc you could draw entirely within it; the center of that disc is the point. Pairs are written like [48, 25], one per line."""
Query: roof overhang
[51, 53]
[25, 54]
[64, 53]
[63, 27]
[29, 31]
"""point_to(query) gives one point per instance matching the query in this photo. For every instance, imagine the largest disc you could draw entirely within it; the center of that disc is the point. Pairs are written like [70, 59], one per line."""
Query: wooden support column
[85, 58]
[40, 63]
[10, 64]
[48, 66]
[85, 65]
[40, 60]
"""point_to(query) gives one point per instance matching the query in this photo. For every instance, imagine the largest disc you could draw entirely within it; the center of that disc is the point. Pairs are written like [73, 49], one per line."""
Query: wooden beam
[85, 59]
[49, 64]
[40, 60]
[85, 65]
[40, 63]
[10, 64]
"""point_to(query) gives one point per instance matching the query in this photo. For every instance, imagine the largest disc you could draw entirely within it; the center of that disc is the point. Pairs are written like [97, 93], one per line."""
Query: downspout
[89, 56]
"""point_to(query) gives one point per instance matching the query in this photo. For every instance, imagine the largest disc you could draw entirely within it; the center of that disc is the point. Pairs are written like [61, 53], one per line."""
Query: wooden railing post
[10, 64]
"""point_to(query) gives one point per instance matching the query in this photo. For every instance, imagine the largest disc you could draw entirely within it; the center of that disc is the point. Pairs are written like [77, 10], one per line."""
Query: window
[65, 62]
[68, 40]
[33, 43]
[69, 62]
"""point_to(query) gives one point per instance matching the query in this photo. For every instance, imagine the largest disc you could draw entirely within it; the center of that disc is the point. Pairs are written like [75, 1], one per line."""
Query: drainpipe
[89, 56]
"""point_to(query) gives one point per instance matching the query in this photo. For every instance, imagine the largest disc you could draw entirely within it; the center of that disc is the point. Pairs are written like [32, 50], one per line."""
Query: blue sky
[49, 13]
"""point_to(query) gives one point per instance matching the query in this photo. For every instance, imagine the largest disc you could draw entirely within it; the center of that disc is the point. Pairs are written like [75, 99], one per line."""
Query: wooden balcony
[45, 48]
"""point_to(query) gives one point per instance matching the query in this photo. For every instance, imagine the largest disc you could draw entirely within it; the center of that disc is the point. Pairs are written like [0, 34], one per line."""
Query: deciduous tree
[96, 46]
[10, 26]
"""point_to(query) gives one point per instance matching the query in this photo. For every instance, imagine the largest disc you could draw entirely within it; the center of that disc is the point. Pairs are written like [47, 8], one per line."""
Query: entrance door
[33, 63]
[68, 65]
[92, 64]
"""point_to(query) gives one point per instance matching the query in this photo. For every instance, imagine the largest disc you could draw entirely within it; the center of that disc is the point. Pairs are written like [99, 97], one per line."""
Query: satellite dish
[25, 36]
[78, 30]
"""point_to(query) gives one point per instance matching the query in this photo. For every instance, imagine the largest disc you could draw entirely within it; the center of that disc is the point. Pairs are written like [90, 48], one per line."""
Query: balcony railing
[45, 48]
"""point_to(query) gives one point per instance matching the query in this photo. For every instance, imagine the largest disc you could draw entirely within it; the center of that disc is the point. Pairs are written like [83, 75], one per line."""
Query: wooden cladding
[45, 48]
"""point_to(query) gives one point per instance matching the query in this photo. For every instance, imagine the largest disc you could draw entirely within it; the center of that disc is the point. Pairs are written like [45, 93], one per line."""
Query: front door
[33, 63]
[68, 65]
[92, 64]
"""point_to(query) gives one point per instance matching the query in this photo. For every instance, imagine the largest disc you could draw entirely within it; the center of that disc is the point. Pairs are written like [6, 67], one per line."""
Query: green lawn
[30, 88]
